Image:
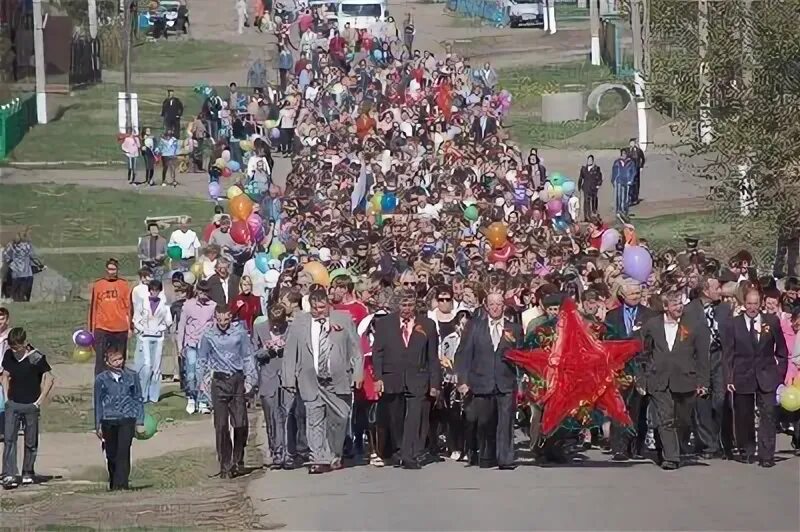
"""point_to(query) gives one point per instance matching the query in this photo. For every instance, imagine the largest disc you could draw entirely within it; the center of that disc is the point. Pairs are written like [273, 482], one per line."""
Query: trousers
[148, 366]
[621, 198]
[405, 423]
[230, 411]
[326, 424]
[14, 416]
[494, 414]
[589, 205]
[673, 419]
[744, 423]
[117, 440]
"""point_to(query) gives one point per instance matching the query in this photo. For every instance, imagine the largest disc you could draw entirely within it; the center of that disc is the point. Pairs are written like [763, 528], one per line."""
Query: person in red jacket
[246, 307]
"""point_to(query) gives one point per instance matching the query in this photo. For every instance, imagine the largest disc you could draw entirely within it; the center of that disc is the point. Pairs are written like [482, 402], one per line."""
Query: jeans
[15, 413]
[117, 439]
[131, 162]
[622, 198]
[148, 366]
[191, 378]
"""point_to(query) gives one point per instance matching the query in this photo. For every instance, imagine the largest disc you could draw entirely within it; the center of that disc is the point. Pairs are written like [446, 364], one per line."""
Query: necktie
[753, 332]
[495, 332]
[323, 363]
[406, 331]
[630, 318]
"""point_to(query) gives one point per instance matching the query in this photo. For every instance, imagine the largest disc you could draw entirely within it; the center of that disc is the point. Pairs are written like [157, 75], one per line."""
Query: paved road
[595, 495]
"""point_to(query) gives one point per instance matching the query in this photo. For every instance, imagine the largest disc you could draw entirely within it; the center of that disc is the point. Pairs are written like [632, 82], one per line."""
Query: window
[361, 10]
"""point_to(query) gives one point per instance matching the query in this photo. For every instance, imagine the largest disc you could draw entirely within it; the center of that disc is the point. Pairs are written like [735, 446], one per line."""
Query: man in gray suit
[323, 356]
[713, 426]
[283, 411]
[675, 357]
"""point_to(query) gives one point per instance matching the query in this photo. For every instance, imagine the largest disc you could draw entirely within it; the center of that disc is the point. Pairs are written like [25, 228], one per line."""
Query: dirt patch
[524, 48]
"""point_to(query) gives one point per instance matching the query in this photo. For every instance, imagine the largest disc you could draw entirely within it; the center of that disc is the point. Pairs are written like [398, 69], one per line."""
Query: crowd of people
[370, 303]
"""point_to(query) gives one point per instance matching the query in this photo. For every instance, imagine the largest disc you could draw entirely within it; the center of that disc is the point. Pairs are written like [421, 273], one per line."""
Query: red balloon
[240, 233]
[226, 172]
[210, 228]
[506, 252]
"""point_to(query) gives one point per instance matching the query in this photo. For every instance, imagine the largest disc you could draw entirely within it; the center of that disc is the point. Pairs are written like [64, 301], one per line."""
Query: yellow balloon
[220, 163]
[318, 273]
[82, 354]
[197, 270]
[234, 191]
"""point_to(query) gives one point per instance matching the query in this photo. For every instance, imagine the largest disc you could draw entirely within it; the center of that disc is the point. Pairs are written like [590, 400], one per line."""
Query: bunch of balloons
[84, 341]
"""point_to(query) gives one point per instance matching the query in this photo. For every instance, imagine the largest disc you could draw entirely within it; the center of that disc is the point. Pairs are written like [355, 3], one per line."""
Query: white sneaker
[27, 480]
[455, 455]
[203, 409]
[191, 406]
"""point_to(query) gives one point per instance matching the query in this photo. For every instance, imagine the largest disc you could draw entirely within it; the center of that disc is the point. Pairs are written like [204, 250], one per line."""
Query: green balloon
[276, 249]
[340, 272]
[471, 213]
[150, 428]
[174, 252]
[557, 180]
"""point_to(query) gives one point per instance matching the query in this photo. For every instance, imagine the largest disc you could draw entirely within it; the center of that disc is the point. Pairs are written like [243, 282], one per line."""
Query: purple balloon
[554, 207]
[84, 339]
[214, 190]
[609, 240]
[637, 263]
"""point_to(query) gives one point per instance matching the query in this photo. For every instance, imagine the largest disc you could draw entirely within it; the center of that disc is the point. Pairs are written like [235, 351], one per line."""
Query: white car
[522, 12]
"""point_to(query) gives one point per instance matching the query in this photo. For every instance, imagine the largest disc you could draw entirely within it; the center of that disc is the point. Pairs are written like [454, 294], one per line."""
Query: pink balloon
[254, 221]
[554, 207]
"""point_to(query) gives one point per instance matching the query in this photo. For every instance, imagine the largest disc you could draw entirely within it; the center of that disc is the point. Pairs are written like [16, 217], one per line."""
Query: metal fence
[16, 118]
[84, 65]
[492, 11]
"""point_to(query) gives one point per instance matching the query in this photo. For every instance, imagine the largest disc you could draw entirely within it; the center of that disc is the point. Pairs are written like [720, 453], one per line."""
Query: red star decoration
[579, 370]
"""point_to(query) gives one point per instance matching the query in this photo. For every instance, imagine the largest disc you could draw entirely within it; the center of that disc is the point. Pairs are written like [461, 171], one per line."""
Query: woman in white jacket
[151, 321]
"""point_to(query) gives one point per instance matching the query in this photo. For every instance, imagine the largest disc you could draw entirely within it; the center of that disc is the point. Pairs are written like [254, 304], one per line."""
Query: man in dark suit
[624, 322]
[675, 359]
[223, 286]
[713, 426]
[407, 371]
[755, 359]
[483, 371]
[483, 126]
[589, 182]
[637, 156]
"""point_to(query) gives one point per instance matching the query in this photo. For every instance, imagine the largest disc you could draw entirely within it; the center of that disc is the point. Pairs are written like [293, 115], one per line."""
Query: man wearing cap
[196, 317]
[323, 361]
[405, 357]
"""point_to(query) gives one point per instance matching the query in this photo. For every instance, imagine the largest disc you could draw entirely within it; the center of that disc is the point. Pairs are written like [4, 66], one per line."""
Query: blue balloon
[262, 262]
[377, 54]
[568, 188]
[388, 203]
[560, 224]
[233, 166]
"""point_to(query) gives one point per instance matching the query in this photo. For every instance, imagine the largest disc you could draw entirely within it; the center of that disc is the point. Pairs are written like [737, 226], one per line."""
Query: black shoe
[507, 467]
[728, 455]
[318, 469]
[488, 464]
[747, 459]
[620, 457]
[473, 460]
[411, 464]
[668, 465]
[276, 466]
[767, 463]
[709, 455]
[225, 475]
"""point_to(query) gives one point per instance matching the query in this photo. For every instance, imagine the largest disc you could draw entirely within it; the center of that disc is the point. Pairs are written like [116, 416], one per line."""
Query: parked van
[525, 12]
[361, 13]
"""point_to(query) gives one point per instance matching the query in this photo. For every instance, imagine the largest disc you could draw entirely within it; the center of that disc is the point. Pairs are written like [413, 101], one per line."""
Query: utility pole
[38, 57]
[546, 15]
[638, 77]
[705, 126]
[594, 30]
[551, 15]
[127, 69]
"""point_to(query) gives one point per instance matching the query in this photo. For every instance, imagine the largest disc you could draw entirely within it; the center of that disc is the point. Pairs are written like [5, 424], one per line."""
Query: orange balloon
[240, 207]
[497, 234]
[318, 273]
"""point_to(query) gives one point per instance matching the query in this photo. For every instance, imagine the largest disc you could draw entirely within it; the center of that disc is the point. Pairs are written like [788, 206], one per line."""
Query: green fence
[16, 118]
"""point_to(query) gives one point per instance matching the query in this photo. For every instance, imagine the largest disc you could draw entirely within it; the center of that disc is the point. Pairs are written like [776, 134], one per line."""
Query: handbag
[37, 266]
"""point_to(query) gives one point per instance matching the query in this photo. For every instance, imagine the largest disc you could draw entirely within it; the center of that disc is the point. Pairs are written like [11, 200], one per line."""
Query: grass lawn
[70, 215]
[186, 56]
[50, 326]
[73, 411]
[85, 126]
[527, 85]
[83, 268]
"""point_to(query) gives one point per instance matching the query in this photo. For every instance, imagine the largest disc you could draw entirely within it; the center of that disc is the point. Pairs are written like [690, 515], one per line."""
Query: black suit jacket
[682, 369]
[478, 134]
[752, 366]
[615, 320]
[217, 294]
[695, 312]
[414, 369]
[482, 367]
[590, 180]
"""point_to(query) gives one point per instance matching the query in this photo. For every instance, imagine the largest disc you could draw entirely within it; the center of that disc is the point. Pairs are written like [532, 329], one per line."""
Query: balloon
[226, 155]
[544, 194]
[246, 145]
[208, 230]
[189, 278]
[318, 273]
[83, 338]
[377, 54]
[506, 252]
[568, 187]
[497, 234]
[388, 203]
[257, 235]
[275, 133]
[372, 210]
[219, 163]
[790, 398]
[560, 224]
[82, 354]
[233, 166]
[214, 190]
[255, 191]
[637, 263]
[557, 180]
[150, 428]
[376, 201]
[240, 233]
[554, 207]
[262, 262]
[226, 172]
[379, 219]
[276, 249]
[609, 240]
[234, 191]
[197, 270]
[340, 272]
[254, 222]
[241, 206]
[557, 192]
[471, 213]
[174, 252]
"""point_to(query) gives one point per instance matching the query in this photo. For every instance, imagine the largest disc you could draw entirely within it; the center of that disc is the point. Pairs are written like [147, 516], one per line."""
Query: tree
[730, 69]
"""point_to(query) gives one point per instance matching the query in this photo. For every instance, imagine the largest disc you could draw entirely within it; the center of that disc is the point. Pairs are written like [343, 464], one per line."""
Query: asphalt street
[593, 494]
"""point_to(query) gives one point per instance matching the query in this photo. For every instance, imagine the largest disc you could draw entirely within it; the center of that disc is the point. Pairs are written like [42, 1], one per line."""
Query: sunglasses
[409, 283]
[445, 299]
